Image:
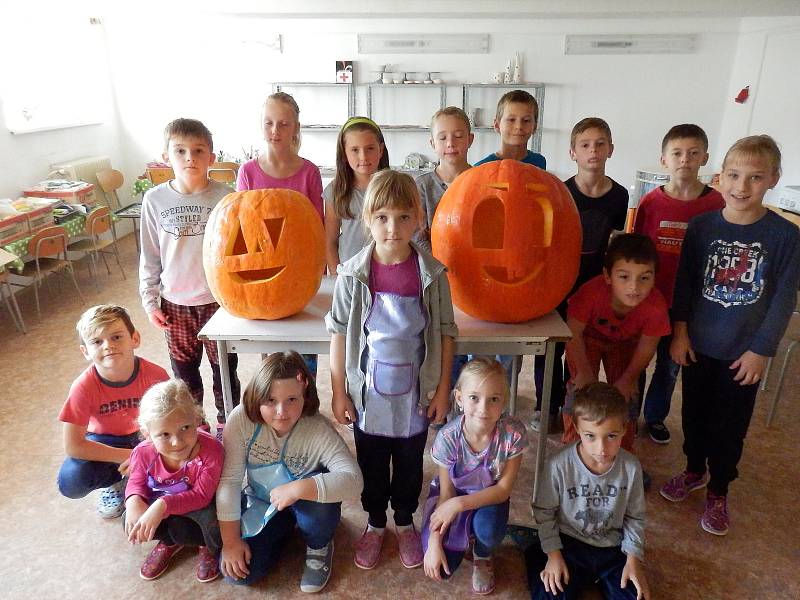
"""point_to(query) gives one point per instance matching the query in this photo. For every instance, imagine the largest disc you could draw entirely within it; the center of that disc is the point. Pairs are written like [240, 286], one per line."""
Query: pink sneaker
[715, 518]
[207, 566]
[158, 560]
[368, 549]
[679, 487]
[482, 576]
[410, 546]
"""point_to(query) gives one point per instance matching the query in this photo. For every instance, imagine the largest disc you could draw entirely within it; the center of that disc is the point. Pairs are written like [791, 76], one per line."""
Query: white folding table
[305, 333]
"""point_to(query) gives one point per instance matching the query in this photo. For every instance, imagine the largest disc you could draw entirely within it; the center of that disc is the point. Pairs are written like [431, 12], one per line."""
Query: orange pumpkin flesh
[510, 236]
[264, 253]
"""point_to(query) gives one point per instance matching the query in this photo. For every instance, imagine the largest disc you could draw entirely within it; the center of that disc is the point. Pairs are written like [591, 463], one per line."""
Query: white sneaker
[536, 421]
[111, 502]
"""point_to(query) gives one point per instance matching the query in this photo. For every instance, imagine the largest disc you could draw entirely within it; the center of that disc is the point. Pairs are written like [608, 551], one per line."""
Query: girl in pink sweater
[173, 478]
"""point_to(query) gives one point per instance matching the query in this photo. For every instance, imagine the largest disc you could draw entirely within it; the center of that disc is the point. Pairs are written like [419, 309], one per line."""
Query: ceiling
[517, 9]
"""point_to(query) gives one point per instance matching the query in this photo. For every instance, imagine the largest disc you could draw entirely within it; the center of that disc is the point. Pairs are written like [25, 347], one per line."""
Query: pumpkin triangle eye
[274, 228]
[239, 245]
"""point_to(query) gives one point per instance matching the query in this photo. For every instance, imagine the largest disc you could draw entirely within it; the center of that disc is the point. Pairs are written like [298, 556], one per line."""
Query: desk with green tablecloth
[73, 224]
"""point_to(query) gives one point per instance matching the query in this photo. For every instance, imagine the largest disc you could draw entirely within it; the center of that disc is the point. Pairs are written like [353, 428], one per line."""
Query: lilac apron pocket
[392, 379]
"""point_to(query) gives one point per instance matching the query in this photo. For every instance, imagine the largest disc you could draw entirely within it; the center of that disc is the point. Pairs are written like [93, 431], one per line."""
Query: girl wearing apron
[172, 479]
[391, 353]
[297, 468]
[479, 455]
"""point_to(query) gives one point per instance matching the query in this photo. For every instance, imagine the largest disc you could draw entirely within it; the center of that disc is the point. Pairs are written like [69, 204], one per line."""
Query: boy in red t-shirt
[663, 216]
[101, 411]
[616, 318]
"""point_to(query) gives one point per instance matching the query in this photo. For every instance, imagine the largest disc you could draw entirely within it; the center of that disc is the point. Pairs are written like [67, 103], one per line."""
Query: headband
[356, 120]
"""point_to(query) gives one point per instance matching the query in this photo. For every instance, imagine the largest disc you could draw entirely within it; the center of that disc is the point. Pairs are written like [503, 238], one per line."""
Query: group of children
[276, 463]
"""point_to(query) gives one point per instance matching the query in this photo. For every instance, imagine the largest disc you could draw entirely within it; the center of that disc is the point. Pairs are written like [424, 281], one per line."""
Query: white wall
[35, 49]
[224, 84]
[766, 60]
[213, 68]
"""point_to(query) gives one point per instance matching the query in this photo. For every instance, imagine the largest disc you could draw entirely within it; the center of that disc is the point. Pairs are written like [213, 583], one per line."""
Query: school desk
[305, 333]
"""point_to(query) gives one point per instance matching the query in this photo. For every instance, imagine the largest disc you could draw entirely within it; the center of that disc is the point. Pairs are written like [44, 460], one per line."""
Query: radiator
[83, 169]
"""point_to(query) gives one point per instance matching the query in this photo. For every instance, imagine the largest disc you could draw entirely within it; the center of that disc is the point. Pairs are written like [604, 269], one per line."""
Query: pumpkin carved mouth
[251, 248]
[505, 275]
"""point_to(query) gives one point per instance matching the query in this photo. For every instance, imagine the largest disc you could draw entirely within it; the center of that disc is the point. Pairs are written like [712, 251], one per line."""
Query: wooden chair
[160, 174]
[11, 302]
[223, 171]
[48, 248]
[98, 222]
[110, 181]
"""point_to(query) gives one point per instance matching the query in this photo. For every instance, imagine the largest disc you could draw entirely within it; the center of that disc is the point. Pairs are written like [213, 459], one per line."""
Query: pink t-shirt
[591, 305]
[306, 180]
[664, 219]
[201, 475]
[401, 279]
[109, 407]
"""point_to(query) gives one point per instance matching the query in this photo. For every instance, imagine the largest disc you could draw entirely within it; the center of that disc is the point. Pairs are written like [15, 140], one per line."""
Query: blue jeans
[488, 527]
[459, 360]
[586, 564]
[659, 394]
[317, 522]
[506, 360]
[78, 477]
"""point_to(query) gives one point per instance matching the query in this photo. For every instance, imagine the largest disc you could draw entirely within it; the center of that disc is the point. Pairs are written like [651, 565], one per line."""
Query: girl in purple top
[391, 353]
[479, 455]
[281, 166]
[174, 475]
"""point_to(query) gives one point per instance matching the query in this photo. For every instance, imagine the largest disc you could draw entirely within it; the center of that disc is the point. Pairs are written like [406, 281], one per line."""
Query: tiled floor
[58, 548]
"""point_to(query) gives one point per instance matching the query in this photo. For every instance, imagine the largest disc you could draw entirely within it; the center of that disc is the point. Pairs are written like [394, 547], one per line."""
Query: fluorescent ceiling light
[369, 43]
[630, 44]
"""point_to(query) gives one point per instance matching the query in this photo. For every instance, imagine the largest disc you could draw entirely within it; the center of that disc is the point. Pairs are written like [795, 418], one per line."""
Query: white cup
[499, 77]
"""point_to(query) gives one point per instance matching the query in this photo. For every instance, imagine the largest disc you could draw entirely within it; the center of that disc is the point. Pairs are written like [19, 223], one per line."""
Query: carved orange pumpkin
[263, 253]
[510, 236]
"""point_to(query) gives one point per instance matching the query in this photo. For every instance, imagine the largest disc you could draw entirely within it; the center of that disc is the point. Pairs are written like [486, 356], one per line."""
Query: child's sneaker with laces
[158, 560]
[715, 518]
[111, 502]
[207, 565]
[318, 568]
[368, 549]
[658, 432]
[679, 487]
[482, 575]
[409, 544]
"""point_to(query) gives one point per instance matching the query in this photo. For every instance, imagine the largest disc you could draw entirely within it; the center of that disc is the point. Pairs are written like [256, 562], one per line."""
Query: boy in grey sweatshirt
[590, 508]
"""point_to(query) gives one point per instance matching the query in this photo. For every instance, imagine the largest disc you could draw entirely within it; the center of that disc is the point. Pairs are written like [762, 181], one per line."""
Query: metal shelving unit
[389, 127]
[351, 100]
[535, 89]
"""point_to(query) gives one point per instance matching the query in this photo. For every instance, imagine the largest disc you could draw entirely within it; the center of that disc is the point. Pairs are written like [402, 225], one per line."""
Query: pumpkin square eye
[489, 224]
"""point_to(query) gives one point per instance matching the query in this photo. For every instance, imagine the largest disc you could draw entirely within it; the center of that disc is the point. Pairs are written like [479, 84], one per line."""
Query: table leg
[225, 375]
[541, 445]
[512, 401]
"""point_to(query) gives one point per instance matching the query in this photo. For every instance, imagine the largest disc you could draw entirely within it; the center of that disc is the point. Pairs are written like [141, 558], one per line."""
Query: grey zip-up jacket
[352, 301]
